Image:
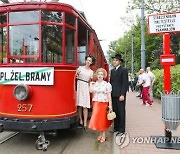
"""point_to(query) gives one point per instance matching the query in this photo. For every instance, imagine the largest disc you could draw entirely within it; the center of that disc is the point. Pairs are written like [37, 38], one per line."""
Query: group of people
[105, 96]
[132, 78]
[145, 82]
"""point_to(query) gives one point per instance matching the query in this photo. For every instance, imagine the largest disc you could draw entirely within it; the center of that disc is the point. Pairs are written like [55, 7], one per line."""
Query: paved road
[65, 142]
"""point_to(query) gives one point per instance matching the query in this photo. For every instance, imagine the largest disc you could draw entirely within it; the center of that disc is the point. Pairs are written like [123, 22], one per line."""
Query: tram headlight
[21, 92]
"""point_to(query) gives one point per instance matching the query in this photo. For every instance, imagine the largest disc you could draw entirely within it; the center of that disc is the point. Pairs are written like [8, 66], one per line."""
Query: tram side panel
[47, 103]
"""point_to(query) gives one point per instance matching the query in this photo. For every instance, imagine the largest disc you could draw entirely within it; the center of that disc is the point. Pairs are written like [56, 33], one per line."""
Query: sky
[103, 16]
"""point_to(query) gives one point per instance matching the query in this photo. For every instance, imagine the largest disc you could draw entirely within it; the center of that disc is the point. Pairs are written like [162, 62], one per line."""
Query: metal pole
[125, 58]
[132, 55]
[143, 57]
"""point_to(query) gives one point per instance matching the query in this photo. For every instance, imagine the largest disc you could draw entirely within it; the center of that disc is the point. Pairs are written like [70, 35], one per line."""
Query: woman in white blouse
[101, 101]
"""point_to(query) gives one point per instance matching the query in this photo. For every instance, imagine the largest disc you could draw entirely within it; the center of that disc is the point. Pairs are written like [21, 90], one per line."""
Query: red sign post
[167, 60]
[165, 23]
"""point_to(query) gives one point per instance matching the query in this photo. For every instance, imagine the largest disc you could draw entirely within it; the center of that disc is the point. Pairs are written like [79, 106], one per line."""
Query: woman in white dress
[83, 75]
[101, 101]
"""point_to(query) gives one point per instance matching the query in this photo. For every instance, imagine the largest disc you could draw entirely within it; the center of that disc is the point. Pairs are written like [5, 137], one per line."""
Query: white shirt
[151, 75]
[146, 78]
[100, 91]
[117, 67]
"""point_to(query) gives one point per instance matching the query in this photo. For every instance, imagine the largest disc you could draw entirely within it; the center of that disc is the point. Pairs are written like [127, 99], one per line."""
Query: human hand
[121, 98]
[110, 108]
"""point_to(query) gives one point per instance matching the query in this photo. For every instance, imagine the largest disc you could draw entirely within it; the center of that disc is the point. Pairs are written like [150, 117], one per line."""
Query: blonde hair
[103, 71]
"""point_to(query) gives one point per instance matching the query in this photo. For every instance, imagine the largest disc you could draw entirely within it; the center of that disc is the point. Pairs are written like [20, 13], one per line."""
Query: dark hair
[93, 59]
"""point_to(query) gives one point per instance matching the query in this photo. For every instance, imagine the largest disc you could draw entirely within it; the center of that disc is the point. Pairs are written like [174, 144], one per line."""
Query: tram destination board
[30, 76]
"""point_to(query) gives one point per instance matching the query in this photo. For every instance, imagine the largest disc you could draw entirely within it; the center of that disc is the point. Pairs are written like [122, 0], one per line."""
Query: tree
[155, 6]
[154, 43]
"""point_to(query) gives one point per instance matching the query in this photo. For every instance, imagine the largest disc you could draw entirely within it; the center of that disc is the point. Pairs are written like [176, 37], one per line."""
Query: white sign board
[162, 23]
[27, 75]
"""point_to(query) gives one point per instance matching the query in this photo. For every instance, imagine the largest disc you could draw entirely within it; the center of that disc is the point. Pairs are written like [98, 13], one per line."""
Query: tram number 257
[25, 107]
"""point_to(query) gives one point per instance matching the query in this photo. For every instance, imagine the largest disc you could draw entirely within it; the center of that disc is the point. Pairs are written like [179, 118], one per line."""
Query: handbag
[111, 115]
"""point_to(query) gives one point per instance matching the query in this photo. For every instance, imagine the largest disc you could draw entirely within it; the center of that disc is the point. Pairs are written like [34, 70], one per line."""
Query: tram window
[22, 17]
[83, 38]
[70, 19]
[52, 16]
[3, 18]
[52, 44]
[24, 40]
[81, 55]
[70, 46]
[3, 42]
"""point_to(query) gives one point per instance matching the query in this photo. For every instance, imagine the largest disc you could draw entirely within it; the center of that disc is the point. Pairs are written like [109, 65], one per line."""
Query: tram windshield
[25, 36]
[23, 17]
[42, 36]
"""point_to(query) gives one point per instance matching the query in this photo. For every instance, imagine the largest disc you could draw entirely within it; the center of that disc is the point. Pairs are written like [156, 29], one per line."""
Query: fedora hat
[118, 56]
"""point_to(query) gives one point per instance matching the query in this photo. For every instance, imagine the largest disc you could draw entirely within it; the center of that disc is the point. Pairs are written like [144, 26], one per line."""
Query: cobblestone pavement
[142, 122]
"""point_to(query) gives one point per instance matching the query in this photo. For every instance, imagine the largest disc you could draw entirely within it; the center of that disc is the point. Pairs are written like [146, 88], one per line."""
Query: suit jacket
[119, 81]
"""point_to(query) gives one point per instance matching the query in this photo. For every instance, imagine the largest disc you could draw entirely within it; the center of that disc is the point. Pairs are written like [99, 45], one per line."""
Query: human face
[100, 76]
[88, 61]
[116, 62]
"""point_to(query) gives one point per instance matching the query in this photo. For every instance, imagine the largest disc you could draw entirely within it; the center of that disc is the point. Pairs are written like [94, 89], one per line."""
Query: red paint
[58, 100]
[166, 46]
[47, 101]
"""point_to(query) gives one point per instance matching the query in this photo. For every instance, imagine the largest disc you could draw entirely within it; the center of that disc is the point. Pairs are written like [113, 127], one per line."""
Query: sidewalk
[143, 121]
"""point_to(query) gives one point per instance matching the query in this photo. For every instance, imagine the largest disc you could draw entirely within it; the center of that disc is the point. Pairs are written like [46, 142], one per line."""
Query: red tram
[41, 45]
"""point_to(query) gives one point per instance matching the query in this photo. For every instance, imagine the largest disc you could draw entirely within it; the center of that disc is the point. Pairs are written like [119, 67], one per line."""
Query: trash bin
[171, 110]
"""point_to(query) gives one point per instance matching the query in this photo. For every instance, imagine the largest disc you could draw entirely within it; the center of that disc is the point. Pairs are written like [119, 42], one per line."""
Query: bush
[159, 82]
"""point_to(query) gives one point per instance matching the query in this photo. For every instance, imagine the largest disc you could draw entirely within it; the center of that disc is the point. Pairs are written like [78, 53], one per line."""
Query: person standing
[145, 82]
[119, 82]
[139, 83]
[83, 75]
[152, 78]
[101, 100]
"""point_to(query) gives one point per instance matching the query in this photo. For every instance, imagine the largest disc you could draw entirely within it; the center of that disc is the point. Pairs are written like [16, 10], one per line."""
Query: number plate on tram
[24, 107]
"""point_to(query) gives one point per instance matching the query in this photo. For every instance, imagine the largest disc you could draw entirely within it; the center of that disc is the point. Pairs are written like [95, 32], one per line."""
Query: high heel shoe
[103, 139]
[85, 128]
[99, 137]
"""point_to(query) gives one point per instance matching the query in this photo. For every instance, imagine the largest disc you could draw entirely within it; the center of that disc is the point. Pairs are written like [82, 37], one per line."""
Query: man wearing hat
[119, 82]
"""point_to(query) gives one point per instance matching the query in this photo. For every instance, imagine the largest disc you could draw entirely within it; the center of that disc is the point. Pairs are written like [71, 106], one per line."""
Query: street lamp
[132, 54]
[143, 57]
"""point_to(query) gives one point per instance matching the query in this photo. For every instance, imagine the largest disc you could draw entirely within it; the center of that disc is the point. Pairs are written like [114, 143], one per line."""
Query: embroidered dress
[99, 119]
[83, 96]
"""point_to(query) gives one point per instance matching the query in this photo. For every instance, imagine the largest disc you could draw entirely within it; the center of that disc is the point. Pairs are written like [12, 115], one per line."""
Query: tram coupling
[42, 143]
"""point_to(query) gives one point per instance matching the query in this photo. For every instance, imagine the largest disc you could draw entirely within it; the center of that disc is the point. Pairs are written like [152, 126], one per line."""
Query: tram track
[8, 137]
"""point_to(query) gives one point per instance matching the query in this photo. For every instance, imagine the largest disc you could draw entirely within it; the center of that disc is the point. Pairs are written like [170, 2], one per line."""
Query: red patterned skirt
[99, 119]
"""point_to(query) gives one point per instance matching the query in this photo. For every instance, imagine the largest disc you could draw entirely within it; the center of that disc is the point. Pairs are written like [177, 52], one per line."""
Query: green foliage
[159, 82]
[155, 6]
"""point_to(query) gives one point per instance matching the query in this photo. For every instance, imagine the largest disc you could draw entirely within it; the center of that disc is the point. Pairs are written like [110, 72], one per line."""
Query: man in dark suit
[119, 82]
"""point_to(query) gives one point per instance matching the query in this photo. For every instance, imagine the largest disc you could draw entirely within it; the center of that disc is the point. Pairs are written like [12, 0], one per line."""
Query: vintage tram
[41, 46]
